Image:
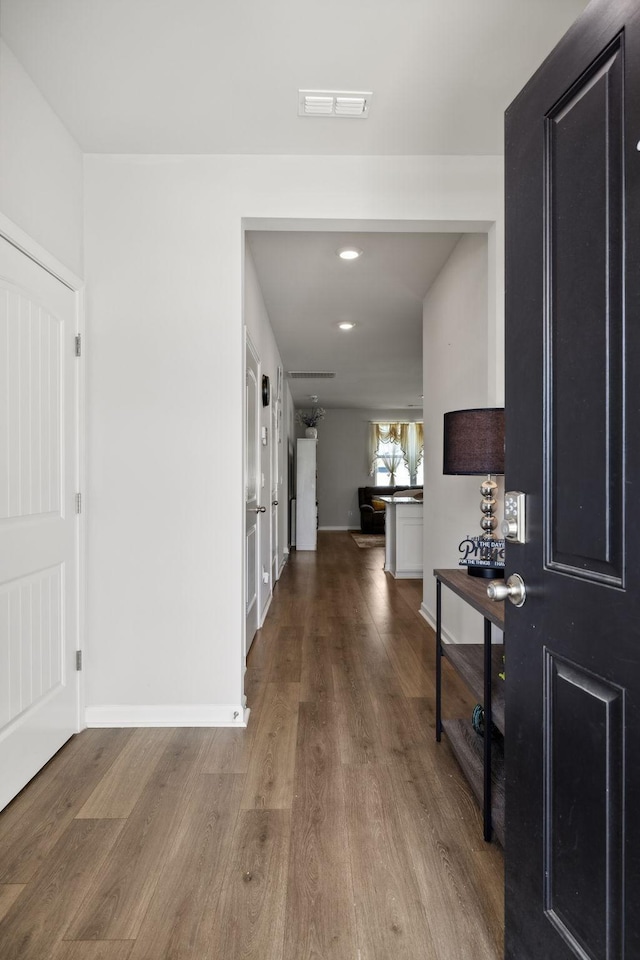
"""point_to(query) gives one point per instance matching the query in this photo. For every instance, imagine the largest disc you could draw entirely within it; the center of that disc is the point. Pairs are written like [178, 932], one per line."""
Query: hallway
[333, 828]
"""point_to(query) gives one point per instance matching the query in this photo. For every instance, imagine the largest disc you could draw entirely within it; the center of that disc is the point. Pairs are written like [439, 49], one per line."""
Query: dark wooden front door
[573, 447]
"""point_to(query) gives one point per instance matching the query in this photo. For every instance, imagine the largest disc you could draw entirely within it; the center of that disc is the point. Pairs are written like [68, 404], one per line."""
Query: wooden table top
[474, 591]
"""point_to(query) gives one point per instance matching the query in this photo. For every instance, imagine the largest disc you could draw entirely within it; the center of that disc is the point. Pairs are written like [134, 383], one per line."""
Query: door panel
[31, 634]
[572, 422]
[38, 524]
[30, 480]
[584, 251]
[584, 813]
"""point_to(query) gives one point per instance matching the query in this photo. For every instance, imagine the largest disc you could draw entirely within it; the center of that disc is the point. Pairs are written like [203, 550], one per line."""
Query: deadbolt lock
[513, 526]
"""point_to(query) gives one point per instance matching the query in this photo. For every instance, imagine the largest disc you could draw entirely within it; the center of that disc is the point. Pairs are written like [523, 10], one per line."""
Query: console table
[478, 664]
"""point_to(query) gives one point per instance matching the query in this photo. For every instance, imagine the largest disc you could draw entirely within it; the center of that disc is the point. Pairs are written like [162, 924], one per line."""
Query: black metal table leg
[487, 731]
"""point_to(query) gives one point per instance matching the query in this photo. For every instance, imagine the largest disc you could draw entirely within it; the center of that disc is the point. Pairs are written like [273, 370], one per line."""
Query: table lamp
[473, 446]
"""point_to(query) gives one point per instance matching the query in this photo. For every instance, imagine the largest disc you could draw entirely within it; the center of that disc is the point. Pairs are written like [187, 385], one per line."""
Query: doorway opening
[290, 330]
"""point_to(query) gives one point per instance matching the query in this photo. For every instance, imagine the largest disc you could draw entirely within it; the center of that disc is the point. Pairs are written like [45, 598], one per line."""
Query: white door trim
[18, 238]
[14, 235]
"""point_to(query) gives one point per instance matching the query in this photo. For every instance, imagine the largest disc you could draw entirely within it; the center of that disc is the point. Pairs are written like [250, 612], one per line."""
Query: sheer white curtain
[393, 444]
[412, 446]
[382, 438]
[391, 461]
[373, 448]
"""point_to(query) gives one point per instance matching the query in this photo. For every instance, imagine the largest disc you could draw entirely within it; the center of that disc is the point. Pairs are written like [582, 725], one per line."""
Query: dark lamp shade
[474, 441]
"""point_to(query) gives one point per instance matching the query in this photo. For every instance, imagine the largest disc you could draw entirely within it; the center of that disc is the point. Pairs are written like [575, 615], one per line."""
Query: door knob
[275, 503]
[514, 590]
[258, 509]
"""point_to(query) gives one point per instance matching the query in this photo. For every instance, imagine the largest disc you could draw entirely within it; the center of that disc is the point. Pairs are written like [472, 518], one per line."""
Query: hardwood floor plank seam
[24, 848]
[41, 915]
[116, 906]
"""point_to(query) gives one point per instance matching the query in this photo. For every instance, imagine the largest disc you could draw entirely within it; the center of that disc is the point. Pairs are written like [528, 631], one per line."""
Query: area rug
[369, 539]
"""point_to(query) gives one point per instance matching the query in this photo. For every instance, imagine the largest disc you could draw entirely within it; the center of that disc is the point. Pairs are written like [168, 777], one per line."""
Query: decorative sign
[479, 552]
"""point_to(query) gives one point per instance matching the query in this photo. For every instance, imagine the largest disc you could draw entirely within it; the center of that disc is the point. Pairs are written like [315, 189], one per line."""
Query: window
[396, 453]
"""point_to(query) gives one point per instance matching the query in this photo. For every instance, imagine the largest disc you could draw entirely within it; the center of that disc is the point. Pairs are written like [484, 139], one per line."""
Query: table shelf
[468, 661]
[468, 749]
[478, 664]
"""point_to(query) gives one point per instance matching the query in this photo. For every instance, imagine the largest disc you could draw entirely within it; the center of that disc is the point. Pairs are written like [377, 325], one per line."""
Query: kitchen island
[403, 537]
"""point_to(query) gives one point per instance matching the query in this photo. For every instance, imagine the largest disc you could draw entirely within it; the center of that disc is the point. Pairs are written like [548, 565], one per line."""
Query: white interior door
[38, 522]
[264, 517]
[251, 462]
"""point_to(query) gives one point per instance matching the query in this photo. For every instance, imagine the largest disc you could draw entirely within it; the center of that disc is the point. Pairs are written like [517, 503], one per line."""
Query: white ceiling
[221, 76]
[308, 290]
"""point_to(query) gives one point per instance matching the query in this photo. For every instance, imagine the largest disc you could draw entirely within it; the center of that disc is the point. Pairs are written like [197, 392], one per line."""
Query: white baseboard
[335, 528]
[426, 614]
[167, 715]
[283, 564]
[263, 616]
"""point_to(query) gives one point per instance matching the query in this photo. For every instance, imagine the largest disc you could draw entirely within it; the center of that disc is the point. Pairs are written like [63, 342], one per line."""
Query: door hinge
[78, 345]
[78, 503]
[78, 659]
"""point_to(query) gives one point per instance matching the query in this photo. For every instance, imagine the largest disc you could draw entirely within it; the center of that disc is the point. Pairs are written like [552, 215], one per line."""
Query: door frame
[494, 231]
[17, 237]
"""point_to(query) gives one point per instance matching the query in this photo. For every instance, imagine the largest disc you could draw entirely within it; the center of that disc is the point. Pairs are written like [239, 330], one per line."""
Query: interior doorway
[483, 363]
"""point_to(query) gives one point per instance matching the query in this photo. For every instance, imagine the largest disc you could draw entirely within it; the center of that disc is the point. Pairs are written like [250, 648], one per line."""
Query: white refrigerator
[306, 506]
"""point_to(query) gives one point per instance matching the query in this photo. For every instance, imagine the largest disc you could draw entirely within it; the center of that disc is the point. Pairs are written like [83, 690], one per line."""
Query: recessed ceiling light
[349, 253]
[346, 325]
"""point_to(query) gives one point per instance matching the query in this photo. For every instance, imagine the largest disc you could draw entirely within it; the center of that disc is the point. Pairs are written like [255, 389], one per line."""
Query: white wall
[163, 265]
[40, 167]
[343, 462]
[457, 375]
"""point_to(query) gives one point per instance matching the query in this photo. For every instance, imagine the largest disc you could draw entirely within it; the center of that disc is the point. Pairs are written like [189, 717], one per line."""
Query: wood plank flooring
[332, 828]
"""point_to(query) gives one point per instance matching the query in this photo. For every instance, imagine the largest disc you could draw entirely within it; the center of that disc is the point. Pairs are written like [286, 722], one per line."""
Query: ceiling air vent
[334, 103]
[312, 375]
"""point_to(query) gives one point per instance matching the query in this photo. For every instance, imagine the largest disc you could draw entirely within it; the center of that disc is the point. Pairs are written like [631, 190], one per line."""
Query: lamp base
[489, 573]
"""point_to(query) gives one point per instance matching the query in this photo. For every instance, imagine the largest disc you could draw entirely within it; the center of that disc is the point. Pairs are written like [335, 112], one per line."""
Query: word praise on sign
[480, 552]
